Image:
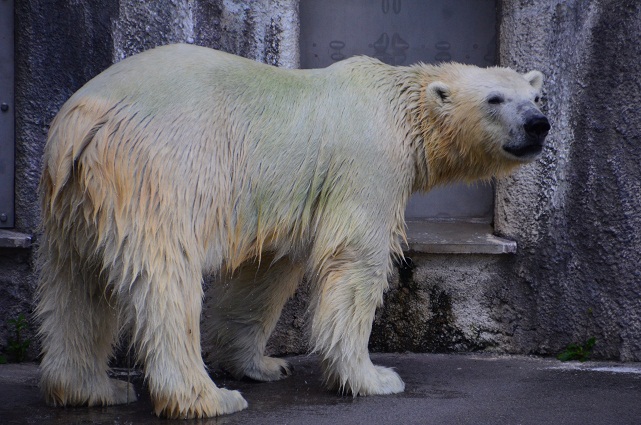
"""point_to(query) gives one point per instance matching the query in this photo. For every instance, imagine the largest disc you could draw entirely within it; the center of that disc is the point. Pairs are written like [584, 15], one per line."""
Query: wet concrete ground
[440, 389]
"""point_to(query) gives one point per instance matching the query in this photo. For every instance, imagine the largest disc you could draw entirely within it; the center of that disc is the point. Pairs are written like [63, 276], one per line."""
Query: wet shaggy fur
[184, 161]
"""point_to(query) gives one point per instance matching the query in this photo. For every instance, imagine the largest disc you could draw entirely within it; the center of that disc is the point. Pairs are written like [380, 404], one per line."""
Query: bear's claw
[269, 369]
[287, 370]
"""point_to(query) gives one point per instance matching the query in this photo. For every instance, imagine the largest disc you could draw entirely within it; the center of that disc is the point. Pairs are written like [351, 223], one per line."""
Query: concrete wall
[575, 213]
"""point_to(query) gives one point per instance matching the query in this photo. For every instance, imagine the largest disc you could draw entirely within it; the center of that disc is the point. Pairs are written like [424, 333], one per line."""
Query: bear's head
[487, 120]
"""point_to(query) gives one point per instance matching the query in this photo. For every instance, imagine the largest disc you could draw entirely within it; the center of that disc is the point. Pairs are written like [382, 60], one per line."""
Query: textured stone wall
[263, 30]
[576, 214]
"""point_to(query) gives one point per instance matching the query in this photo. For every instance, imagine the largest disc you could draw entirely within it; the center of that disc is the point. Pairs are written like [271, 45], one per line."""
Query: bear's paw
[364, 381]
[209, 402]
[269, 369]
[106, 392]
[381, 380]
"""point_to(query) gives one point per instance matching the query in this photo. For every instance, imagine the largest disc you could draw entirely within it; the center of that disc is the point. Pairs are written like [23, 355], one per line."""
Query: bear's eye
[495, 100]
[536, 99]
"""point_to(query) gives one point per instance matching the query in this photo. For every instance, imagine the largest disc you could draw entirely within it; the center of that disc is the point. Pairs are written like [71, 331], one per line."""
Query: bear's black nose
[537, 126]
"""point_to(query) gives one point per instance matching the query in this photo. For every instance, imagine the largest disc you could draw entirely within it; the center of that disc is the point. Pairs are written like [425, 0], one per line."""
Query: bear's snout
[536, 127]
[530, 144]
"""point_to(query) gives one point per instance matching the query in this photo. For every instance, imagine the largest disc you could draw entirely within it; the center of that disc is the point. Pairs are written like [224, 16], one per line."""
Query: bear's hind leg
[242, 311]
[164, 307]
[78, 326]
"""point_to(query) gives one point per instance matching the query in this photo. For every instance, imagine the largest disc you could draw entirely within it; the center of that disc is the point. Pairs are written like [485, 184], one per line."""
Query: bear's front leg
[348, 291]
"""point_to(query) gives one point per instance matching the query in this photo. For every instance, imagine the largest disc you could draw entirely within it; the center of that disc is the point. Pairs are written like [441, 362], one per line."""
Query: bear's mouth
[526, 151]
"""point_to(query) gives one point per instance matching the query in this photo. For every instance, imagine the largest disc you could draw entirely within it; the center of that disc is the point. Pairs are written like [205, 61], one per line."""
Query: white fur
[183, 160]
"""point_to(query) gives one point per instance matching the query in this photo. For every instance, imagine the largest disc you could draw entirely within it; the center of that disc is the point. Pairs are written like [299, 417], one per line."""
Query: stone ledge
[422, 236]
[11, 239]
[432, 237]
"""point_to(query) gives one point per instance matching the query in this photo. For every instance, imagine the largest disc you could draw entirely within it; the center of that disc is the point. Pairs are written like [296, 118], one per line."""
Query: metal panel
[403, 32]
[7, 142]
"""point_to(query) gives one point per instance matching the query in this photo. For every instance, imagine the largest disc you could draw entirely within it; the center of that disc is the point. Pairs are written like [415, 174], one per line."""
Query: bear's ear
[439, 92]
[535, 78]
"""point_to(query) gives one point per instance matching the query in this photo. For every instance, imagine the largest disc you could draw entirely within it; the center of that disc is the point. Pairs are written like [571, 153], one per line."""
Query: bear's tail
[72, 130]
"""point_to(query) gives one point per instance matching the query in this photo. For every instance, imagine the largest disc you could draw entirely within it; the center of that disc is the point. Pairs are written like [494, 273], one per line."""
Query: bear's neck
[407, 104]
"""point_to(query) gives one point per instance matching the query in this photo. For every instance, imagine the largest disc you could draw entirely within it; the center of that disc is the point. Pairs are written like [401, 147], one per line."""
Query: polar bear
[183, 161]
